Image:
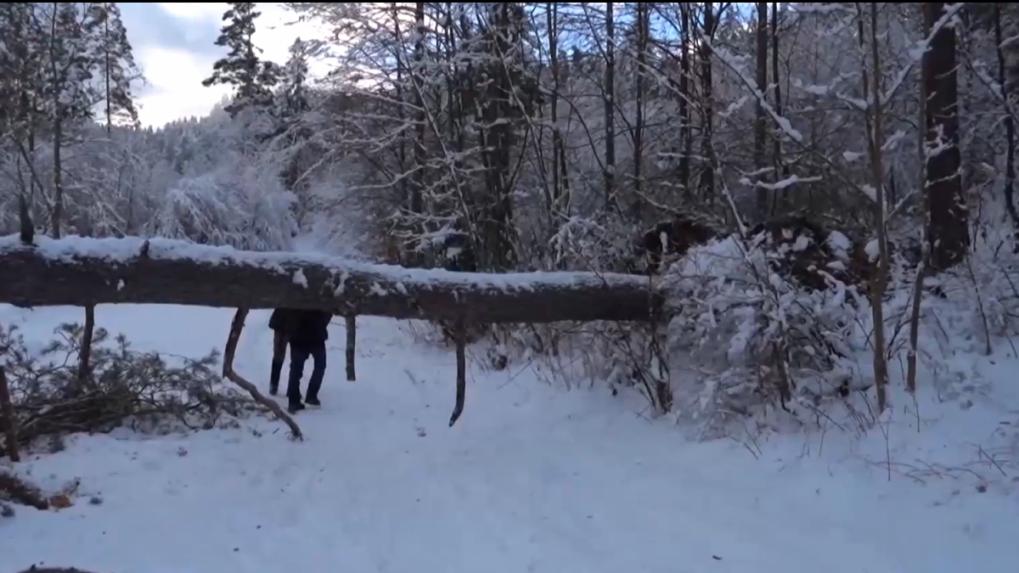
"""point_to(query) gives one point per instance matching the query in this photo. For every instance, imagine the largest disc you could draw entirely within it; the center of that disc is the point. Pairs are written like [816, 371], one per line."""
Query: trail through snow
[532, 479]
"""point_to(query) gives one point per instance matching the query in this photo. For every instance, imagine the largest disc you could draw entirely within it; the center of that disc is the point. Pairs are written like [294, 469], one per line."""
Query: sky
[175, 45]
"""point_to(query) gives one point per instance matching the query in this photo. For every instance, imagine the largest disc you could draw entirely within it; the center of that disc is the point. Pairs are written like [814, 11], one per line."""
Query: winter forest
[821, 193]
[846, 154]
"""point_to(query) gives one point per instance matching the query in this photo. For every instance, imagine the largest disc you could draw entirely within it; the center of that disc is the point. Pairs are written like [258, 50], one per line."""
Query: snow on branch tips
[733, 64]
[86, 271]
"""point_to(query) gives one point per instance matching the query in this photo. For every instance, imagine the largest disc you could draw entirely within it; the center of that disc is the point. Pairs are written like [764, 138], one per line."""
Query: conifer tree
[242, 68]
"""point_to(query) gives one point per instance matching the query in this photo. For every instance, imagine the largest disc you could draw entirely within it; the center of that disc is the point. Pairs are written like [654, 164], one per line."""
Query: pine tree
[293, 95]
[242, 68]
[293, 103]
[115, 61]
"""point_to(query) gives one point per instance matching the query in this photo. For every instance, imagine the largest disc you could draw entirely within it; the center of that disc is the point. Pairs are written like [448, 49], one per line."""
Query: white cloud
[176, 74]
[195, 10]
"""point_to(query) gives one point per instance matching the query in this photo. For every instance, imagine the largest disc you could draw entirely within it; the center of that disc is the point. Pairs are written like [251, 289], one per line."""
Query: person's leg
[279, 354]
[318, 354]
[298, 356]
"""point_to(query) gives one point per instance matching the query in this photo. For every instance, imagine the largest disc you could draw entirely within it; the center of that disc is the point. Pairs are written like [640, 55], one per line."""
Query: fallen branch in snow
[84, 271]
[228, 372]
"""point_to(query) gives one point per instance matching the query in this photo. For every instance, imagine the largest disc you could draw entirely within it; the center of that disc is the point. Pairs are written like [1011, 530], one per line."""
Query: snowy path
[530, 479]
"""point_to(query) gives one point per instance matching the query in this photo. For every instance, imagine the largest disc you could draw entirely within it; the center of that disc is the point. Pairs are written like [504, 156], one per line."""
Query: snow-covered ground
[532, 478]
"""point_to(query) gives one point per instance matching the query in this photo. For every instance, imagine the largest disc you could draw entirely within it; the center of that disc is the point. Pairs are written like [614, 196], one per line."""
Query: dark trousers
[279, 354]
[299, 354]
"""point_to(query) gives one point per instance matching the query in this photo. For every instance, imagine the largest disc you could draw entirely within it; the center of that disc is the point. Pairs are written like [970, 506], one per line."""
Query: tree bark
[1009, 129]
[609, 96]
[875, 136]
[85, 353]
[643, 33]
[948, 217]
[79, 271]
[781, 169]
[760, 123]
[685, 130]
[707, 179]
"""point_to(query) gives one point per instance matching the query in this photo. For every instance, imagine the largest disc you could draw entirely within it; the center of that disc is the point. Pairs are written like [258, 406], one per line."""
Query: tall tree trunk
[610, 95]
[875, 144]
[552, 22]
[407, 248]
[643, 31]
[107, 73]
[707, 182]
[502, 136]
[88, 330]
[416, 204]
[760, 136]
[57, 214]
[686, 128]
[921, 269]
[561, 196]
[948, 230]
[778, 164]
[1009, 127]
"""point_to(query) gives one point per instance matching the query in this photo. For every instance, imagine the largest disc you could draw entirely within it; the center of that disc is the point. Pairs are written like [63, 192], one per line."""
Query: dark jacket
[309, 327]
[302, 327]
[280, 319]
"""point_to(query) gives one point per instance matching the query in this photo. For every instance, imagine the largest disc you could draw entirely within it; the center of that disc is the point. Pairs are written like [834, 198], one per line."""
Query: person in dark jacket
[279, 322]
[308, 331]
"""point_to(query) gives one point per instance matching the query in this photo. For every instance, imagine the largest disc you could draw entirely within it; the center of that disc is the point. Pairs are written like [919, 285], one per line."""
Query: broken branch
[229, 374]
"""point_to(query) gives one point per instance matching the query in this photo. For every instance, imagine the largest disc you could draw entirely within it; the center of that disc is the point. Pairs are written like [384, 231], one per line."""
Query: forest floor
[531, 479]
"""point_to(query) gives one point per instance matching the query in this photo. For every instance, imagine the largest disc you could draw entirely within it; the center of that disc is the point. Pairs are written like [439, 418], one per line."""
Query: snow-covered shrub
[746, 335]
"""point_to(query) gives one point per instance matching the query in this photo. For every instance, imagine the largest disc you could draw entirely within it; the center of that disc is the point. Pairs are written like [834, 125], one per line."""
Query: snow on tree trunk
[82, 271]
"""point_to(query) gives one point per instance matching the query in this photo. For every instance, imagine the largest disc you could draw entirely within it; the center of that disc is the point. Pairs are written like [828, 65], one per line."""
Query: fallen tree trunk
[84, 271]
